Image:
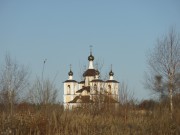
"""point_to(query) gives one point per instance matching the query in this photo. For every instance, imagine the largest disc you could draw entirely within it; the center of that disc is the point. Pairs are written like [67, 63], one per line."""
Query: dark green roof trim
[97, 80]
[112, 81]
[70, 81]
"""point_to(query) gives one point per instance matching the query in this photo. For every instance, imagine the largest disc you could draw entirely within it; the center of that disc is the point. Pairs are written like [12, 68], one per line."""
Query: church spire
[70, 73]
[91, 58]
[111, 74]
[91, 49]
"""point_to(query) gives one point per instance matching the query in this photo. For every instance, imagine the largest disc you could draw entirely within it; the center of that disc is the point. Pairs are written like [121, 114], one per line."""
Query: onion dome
[70, 73]
[91, 57]
[111, 73]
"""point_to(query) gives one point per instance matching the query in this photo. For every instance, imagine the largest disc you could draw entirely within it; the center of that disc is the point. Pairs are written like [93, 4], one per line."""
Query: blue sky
[121, 32]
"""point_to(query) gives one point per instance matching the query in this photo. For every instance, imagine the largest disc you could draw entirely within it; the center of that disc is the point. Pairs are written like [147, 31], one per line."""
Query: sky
[121, 32]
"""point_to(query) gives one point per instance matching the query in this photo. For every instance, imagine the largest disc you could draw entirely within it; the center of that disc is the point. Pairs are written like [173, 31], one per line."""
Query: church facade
[91, 89]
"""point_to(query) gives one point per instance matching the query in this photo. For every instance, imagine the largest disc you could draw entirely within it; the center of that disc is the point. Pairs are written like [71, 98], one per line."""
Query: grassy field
[53, 120]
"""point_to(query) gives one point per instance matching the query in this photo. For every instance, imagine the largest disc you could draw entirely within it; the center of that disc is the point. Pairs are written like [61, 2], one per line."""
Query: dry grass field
[53, 120]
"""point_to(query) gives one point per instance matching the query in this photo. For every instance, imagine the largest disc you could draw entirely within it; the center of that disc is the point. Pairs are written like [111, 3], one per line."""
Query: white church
[91, 89]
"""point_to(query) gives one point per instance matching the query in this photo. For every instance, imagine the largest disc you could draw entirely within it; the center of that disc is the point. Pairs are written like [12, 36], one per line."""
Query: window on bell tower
[68, 89]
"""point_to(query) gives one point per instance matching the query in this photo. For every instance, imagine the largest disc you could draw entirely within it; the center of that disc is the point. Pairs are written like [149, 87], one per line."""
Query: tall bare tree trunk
[171, 94]
[13, 83]
[164, 63]
[171, 102]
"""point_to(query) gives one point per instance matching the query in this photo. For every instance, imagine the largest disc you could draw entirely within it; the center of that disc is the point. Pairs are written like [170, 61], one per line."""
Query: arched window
[109, 89]
[68, 89]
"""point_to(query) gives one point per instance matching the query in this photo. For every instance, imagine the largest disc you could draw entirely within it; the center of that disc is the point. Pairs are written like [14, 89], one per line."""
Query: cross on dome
[90, 49]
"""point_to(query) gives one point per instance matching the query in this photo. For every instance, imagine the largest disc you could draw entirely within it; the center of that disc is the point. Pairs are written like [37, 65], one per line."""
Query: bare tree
[99, 64]
[125, 95]
[82, 69]
[42, 92]
[126, 99]
[13, 80]
[164, 66]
